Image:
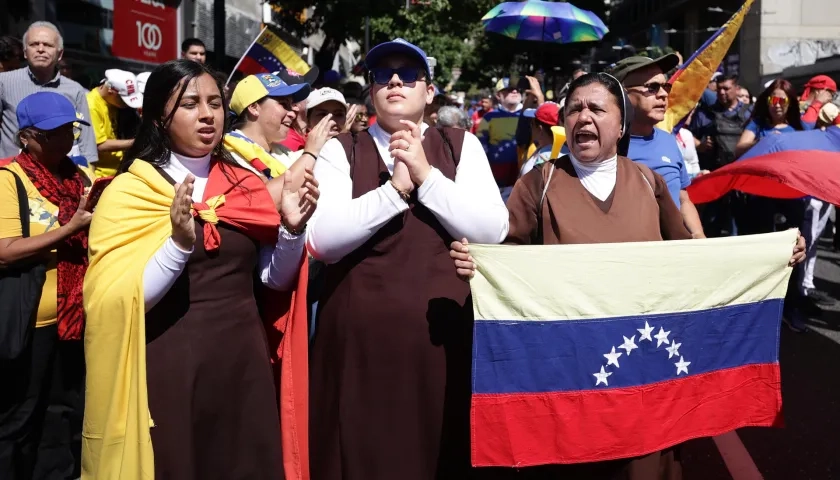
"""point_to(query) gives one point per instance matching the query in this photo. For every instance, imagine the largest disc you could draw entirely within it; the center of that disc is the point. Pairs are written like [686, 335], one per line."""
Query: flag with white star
[585, 353]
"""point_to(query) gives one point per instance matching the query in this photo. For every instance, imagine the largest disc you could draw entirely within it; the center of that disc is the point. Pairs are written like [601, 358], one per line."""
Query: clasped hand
[410, 165]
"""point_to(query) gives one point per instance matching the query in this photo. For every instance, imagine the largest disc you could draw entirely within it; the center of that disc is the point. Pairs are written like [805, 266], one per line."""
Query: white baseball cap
[125, 83]
[322, 95]
[142, 78]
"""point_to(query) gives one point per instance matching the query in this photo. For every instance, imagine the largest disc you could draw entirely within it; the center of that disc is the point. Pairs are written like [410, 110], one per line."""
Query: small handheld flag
[269, 53]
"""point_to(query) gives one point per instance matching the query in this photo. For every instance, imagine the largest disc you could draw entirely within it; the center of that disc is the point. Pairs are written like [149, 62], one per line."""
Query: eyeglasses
[652, 88]
[361, 117]
[778, 101]
[383, 76]
[47, 136]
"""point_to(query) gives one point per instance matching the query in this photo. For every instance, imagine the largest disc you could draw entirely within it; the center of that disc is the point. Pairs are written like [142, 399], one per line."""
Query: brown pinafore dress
[390, 359]
[211, 389]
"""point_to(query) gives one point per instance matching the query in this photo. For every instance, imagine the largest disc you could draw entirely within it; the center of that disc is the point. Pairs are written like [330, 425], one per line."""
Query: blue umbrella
[547, 22]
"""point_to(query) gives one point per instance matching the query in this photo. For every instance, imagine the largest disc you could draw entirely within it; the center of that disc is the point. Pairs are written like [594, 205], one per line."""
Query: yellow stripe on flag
[693, 78]
[282, 51]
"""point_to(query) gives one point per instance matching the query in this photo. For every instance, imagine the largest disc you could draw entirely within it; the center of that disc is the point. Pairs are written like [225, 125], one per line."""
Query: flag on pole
[268, 53]
[695, 74]
[586, 353]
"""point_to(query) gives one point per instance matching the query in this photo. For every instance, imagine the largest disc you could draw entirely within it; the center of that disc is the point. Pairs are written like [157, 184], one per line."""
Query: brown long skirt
[211, 390]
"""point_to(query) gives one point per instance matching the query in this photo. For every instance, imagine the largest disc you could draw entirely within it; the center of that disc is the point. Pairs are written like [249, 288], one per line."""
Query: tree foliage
[449, 30]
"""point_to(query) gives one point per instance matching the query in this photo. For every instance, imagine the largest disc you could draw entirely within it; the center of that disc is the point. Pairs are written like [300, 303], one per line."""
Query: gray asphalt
[808, 447]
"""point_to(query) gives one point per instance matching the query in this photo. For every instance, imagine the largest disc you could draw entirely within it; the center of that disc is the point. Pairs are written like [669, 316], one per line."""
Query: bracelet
[314, 157]
[402, 193]
[292, 231]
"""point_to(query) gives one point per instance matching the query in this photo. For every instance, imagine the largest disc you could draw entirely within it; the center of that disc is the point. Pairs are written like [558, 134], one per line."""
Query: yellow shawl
[133, 218]
[131, 223]
[254, 154]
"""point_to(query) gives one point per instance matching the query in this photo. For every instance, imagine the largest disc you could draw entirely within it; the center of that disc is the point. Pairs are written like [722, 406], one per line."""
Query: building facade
[790, 38]
[134, 35]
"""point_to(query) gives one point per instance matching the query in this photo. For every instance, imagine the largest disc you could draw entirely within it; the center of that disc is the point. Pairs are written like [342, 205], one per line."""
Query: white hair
[49, 25]
[449, 116]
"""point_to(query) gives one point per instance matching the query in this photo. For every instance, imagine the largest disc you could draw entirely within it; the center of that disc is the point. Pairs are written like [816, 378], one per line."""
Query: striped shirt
[17, 85]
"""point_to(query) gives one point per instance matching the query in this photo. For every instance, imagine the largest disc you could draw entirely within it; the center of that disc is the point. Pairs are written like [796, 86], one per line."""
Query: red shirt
[294, 141]
[476, 119]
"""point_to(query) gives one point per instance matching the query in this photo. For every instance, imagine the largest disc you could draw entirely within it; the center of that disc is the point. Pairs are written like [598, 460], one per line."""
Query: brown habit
[211, 387]
[390, 360]
[639, 209]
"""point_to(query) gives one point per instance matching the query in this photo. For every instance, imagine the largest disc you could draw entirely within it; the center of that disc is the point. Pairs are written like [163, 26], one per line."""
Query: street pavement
[808, 447]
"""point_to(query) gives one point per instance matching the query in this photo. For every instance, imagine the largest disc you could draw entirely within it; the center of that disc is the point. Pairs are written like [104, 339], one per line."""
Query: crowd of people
[211, 251]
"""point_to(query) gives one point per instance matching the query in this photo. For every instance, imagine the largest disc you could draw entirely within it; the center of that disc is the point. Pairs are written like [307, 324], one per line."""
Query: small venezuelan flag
[268, 53]
[695, 74]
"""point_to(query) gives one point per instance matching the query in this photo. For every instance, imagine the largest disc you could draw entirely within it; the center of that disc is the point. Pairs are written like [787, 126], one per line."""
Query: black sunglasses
[652, 88]
[383, 76]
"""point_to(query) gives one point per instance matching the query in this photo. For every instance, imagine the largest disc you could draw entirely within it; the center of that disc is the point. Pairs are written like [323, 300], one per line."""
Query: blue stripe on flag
[265, 58]
[555, 356]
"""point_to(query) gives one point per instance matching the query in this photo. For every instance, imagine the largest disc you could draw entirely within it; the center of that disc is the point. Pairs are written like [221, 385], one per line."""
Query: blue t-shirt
[761, 130]
[660, 153]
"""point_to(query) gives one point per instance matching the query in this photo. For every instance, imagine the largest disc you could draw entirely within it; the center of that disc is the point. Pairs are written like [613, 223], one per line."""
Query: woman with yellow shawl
[180, 382]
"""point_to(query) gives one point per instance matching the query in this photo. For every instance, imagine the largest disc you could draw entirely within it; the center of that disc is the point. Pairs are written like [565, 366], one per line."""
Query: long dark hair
[761, 111]
[614, 87]
[152, 143]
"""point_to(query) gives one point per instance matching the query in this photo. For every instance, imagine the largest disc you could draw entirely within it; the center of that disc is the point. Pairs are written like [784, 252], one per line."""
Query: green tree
[449, 30]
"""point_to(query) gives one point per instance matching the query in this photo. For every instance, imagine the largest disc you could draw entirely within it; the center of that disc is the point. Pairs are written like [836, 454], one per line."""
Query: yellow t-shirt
[43, 217]
[103, 119]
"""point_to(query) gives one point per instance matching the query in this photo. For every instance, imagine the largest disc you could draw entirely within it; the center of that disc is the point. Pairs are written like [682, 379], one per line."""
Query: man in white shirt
[390, 359]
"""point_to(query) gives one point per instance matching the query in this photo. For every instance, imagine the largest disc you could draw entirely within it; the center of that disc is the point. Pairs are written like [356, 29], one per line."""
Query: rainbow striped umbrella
[541, 21]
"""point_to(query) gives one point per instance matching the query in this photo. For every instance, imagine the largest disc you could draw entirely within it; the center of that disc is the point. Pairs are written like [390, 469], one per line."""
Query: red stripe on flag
[249, 66]
[788, 174]
[520, 430]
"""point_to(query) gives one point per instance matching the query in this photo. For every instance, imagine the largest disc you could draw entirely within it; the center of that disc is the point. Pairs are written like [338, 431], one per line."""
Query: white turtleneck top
[278, 265]
[598, 178]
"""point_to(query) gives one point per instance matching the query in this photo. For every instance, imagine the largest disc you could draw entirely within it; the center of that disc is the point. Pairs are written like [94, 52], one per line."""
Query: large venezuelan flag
[593, 352]
[268, 53]
[792, 165]
[695, 74]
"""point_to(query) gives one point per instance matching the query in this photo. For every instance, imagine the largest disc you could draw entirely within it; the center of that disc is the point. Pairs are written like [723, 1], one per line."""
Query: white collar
[199, 167]
[598, 178]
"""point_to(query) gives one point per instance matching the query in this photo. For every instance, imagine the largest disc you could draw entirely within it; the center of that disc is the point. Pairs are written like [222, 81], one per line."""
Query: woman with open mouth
[593, 195]
[194, 265]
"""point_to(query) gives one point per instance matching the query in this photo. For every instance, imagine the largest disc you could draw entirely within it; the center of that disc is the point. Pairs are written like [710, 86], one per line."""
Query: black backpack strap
[23, 204]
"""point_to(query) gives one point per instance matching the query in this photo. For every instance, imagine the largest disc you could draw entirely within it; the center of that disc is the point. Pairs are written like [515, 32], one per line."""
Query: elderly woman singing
[593, 195]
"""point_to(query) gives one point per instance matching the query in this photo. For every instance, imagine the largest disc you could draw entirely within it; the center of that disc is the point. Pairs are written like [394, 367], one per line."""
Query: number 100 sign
[145, 31]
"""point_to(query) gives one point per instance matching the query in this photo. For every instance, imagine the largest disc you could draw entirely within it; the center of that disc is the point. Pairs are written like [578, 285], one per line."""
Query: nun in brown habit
[593, 195]
[390, 358]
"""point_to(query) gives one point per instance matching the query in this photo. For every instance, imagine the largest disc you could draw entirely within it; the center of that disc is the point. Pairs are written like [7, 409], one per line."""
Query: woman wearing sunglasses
[390, 357]
[775, 112]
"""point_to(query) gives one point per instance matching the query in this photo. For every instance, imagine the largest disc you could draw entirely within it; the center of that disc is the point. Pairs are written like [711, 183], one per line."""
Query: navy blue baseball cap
[46, 111]
[398, 46]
